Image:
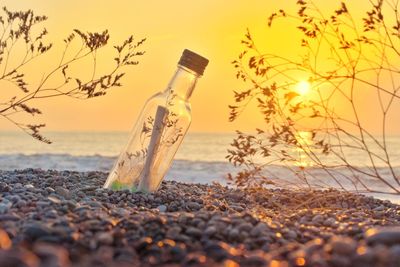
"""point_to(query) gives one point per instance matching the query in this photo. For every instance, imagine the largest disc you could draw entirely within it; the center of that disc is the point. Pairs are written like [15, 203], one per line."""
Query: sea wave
[190, 171]
[181, 170]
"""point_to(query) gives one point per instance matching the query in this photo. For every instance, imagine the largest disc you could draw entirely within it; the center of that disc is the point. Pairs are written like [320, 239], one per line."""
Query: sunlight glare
[303, 87]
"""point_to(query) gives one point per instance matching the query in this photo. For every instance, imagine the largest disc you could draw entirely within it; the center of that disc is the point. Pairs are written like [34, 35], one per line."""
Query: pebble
[54, 200]
[343, 245]
[35, 231]
[259, 229]
[5, 207]
[9, 217]
[210, 230]
[105, 238]
[387, 235]
[330, 222]
[233, 234]
[291, 234]
[65, 193]
[318, 219]
[67, 219]
[194, 232]
[162, 208]
[194, 206]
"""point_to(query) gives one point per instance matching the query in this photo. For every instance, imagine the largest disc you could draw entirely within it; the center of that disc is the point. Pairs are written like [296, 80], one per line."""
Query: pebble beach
[66, 218]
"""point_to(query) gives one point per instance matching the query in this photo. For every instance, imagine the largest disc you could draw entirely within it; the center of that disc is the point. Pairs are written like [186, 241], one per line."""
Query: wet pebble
[383, 235]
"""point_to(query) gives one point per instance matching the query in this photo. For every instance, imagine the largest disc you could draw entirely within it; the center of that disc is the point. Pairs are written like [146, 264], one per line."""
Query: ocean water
[200, 159]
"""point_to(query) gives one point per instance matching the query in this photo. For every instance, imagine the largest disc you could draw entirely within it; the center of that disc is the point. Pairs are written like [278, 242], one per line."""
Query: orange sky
[211, 28]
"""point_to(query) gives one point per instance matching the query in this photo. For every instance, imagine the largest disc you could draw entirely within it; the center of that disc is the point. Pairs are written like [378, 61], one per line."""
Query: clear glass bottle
[159, 131]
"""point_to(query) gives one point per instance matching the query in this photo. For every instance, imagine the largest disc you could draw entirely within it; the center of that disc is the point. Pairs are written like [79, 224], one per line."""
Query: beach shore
[64, 218]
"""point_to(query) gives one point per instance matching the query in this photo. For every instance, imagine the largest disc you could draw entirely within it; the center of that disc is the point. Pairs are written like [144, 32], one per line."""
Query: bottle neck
[182, 83]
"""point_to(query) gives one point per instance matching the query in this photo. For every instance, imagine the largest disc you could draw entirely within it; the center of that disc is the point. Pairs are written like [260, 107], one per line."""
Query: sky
[211, 28]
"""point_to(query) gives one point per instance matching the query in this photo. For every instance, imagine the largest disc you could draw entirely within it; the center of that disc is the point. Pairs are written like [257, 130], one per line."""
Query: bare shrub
[19, 29]
[343, 61]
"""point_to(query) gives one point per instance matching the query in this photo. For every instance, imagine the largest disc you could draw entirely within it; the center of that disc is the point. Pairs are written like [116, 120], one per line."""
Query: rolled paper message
[146, 179]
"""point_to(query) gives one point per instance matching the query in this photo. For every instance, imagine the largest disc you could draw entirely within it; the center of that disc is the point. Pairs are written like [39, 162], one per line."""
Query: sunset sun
[303, 88]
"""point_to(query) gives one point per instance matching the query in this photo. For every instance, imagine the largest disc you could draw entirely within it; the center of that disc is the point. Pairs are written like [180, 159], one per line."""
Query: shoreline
[65, 217]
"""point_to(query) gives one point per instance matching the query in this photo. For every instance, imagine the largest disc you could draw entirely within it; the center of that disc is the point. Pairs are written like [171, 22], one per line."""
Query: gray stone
[383, 235]
[233, 234]
[54, 199]
[9, 217]
[194, 232]
[35, 231]
[194, 206]
[330, 222]
[21, 203]
[210, 230]
[105, 238]
[343, 245]
[245, 227]
[5, 207]
[162, 208]
[291, 234]
[318, 219]
[42, 203]
[65, 193]
[259, 229]
[173, 232]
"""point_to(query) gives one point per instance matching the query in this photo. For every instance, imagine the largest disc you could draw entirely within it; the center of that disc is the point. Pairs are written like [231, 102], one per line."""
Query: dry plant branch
[18, 32]
[343, 59]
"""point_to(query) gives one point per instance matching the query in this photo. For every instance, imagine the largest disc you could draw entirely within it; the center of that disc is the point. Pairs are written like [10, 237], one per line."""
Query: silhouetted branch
[343, 60]
[17, 29]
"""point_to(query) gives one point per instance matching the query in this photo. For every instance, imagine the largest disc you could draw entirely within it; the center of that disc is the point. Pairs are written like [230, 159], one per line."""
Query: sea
[200, 159]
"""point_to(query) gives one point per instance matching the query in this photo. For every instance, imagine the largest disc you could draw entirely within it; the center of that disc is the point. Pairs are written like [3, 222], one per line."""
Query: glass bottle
[159, 131]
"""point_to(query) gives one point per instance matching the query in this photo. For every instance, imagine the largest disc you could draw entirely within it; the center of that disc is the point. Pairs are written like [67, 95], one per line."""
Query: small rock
[233, 234]
[5, 207]
[343, 245]
[4, 187]
[194, 206]
[217, 251]
[379, 208]
[54, 200]
[65, 193]
[245, 227]
[387, 235]
[259, 229]
[18, 258]
[21, 203]
[318, 219]
[143, 243]
[54, 255]
[194, 232]
[291, 234]
[35, 231]
[9, 217]
[173, 232]
[210, 230]
[105, 238]
[255, 260]
[330, 222]
[42, 203]
[162, 208]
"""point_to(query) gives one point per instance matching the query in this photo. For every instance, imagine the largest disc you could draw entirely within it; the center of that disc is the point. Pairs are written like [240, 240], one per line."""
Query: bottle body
[156, 137]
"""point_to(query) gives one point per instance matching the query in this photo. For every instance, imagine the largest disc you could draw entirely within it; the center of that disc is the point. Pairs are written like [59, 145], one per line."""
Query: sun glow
[303, 87]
